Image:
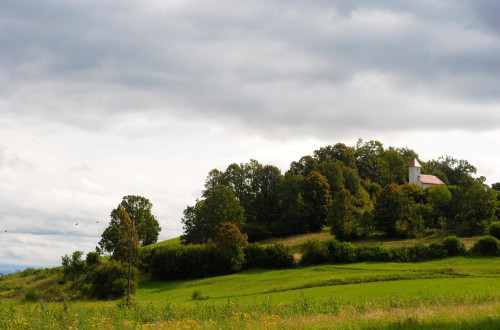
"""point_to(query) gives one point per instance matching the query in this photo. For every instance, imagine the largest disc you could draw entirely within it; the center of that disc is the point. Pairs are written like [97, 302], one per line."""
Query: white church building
[422, 180]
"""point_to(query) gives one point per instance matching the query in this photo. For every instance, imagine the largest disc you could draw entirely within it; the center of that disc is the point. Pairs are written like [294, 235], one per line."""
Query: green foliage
[437, 250]
[340, 252]
[374, 253]
[453, 246]
[276, 256]
[494, 229]
[193, 261]
[350, 216]
[475, 206]
[396, 212]
[202, 221]
[73, 266]
[266, 202]
[109, 281]
[317, 198]
[93, 258]
[314, 252]
[139, 210]
[31, 295]
[127, 248]
[292, 207]
[274, 205]
[487, 246]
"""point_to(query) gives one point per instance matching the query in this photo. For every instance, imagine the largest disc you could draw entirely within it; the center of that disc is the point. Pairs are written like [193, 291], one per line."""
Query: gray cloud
[263, 62]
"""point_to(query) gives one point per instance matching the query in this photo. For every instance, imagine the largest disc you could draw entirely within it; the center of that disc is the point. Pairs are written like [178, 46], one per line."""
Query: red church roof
[430, 179]
[415, 163]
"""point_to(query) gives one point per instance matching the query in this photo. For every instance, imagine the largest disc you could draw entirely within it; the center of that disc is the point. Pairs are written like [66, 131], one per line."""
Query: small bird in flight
[97, 221]
[76, 224]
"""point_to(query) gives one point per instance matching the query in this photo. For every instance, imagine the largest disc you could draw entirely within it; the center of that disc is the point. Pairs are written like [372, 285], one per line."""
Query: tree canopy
[356, 190]
[139, 210]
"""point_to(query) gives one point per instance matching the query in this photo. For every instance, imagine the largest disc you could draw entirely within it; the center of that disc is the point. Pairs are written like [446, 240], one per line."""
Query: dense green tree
[454, 171]
[439, 197]
[342, 220]
[352, 181]
[332, 170]
[243, 180]
[139, 210]
[369, 160]
[475, 206]
[394, 167]
[496, 186]
[212, 182]
[234, 178]
[203, 220]
[339, 151]
[396, 213]
[267, 198]
[292, 208]
[304, 166]
[317, 198]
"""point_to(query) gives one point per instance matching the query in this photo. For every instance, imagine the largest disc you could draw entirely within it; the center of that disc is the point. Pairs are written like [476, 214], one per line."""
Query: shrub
[494, 229]
[420, 252]
[254, 255]
[193, 261]
[453, 246]
[277, 256]
[109, 280]
[374, 253]
[437, 250]
[196, 295]
[487, 246]
[401, 254]
[31, 295]
[340, 252]
[313, 252]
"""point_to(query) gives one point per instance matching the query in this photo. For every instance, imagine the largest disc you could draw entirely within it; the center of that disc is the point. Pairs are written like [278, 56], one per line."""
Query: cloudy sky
[101, 99]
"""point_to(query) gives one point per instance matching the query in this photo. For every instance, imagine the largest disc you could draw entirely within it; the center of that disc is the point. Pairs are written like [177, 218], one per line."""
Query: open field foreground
[460, 292]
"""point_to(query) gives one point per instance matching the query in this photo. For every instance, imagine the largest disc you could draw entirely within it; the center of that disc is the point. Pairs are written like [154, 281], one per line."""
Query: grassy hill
[458, 292]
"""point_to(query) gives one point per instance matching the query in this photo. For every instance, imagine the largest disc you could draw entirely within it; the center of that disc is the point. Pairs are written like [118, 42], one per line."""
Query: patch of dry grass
[295, 242]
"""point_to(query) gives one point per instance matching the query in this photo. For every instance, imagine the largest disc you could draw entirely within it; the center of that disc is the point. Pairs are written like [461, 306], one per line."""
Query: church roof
[430, 179]
[415, 163]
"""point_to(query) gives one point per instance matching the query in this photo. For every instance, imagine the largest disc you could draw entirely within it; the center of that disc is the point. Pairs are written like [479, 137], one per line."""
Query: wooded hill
[355, 190]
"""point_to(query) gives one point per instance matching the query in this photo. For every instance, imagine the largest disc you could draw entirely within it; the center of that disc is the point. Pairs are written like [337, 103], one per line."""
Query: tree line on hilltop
[355, 190]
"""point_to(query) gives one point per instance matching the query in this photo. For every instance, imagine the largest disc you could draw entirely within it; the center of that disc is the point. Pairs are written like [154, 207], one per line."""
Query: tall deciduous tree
[475, 205]
[139, 210]
[203, 220]
[127, 249]
[128, 245]
[318, 199]
[396, 213]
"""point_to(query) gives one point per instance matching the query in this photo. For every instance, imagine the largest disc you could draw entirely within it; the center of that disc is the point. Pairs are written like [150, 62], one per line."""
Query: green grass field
[459, 292]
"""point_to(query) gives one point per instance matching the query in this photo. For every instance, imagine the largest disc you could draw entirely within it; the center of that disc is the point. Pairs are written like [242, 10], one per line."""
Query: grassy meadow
[459, 292]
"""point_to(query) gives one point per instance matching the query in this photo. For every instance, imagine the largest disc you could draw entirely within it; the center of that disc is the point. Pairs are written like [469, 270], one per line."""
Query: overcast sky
[102, 99]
